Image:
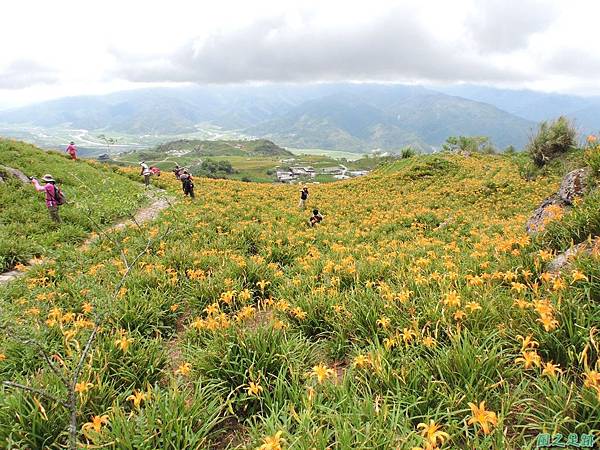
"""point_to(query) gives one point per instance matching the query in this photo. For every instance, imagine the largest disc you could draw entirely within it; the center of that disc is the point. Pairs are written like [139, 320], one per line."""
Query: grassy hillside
[96, 195]
[257, 147]
[417, 315]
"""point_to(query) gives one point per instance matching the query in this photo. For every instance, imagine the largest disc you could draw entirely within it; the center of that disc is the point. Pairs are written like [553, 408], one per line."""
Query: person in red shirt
[72, 150]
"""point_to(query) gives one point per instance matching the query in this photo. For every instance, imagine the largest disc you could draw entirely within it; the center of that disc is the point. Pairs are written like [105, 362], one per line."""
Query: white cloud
[94, 46]
[24, 73]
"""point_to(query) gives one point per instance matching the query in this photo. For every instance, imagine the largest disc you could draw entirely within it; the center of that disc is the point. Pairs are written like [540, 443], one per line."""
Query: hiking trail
[141, 216]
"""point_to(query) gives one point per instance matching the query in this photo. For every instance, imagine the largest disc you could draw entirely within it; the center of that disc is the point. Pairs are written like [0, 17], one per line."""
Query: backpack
[59, 197]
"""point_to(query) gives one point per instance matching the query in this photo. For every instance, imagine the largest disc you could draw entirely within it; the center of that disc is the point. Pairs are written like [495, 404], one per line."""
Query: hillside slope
[417, 314]
[96, 195]
[195, 147]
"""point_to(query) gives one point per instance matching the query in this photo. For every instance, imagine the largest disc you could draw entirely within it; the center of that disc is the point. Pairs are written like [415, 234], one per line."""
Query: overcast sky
[56, 48]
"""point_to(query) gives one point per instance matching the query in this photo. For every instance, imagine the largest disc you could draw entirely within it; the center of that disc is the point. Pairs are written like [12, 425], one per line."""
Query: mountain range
[354, 117]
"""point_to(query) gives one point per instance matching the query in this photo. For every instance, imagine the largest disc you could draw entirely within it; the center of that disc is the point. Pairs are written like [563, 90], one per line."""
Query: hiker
[178, 171]
[146, 172]
[155, 171]
[315, 218]
[54, 196]
[72, 150]
[187, 183]
[303, 197]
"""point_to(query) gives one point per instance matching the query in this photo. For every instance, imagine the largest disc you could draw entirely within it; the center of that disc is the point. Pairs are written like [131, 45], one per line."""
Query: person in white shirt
[146, 173]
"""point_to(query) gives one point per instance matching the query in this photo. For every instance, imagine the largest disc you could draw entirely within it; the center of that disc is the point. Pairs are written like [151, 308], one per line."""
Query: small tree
[108, 141]
[473, 144]
[551, 140]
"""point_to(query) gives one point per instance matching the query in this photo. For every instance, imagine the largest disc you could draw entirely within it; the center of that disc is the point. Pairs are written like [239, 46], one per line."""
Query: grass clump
[551, 140]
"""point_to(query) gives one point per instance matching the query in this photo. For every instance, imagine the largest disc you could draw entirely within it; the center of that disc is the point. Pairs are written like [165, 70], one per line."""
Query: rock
[546, 211]
[573, 185]
[6, 171]
[563, 260]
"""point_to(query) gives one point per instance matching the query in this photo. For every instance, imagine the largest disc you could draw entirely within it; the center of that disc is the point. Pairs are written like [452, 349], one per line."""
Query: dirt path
[142, 215]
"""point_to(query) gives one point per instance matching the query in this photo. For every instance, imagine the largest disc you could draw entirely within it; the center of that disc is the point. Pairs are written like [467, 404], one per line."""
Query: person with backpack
[54, 196]
[315, 218]
[303, 197]
[146, 172]
[72, 150]
[178, 171]
[187, 183]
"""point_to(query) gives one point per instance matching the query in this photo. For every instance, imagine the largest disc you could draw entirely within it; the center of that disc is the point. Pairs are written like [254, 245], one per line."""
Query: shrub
[473, 144]
[552, 139]
[408, 152]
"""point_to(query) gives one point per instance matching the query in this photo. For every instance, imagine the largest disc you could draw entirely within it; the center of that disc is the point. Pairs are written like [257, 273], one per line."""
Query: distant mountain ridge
[536, 106]
[355, 117]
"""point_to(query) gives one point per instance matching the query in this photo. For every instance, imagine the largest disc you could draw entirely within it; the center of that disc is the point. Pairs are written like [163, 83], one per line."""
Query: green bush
[408, 152]
[552, 139]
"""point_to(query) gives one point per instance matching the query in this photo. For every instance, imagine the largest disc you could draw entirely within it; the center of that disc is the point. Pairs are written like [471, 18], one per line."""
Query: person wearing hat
[146, 172]
[303, 197]
[54, 197]
[72, 150]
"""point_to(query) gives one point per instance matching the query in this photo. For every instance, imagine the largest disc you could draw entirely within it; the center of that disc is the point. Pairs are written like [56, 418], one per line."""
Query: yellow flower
[137, 398]
[212, 309]
[83, 387]
[254, 389]
[407, 335]
[530, 359]
[383, 322]
[576, 276]
[262, 284]
[361, 361]
[482, 417]
[174, 307]
[272, 442]
[184, 369]
[87, 308]
[123, 343]
[551, 370]
[95, 424]
[452, 299]
[459, 315]
[592, 379]
[2, 356]
[431, 432]
[473, 306]
[548, 321]
[300, 315]
[321, 372]
[429, 342]
[527, 342]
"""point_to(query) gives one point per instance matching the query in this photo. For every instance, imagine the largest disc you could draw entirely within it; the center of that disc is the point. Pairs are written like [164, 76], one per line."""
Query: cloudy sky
[56, 48]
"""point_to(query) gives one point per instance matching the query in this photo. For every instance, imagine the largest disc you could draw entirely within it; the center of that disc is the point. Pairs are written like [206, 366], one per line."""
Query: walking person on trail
[187, 183]
[303, 198]
[72, 150]
[146, 172]
[315, 218]
[54, 196]
[178, 171]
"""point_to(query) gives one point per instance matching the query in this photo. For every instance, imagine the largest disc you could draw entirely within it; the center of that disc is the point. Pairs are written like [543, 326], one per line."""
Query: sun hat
[48, 178]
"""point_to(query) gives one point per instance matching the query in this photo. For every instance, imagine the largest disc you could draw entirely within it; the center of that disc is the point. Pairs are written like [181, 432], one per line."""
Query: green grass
[96, 194]
[244, 325]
